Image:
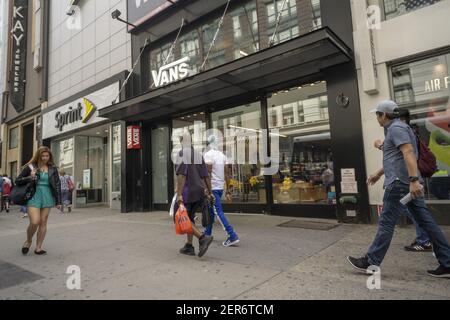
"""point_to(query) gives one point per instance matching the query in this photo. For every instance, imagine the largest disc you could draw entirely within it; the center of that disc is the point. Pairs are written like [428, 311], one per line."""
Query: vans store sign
[171, 73]
[19, 53]
[78, 113]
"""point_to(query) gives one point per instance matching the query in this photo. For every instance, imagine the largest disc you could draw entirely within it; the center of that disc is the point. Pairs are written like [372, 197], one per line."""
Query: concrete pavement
[135, 256]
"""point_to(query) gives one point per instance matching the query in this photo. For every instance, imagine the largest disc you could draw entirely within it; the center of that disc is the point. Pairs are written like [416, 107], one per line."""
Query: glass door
[160, 160]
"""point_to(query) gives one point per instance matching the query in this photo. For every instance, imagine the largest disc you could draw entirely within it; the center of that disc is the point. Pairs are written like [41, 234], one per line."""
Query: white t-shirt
[217, 160]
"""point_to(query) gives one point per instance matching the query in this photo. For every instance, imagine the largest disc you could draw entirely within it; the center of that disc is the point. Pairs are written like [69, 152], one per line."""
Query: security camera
[116, 14]
[70, 10]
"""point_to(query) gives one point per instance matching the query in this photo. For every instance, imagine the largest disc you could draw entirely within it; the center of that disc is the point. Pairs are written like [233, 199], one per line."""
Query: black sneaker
[441, 272]
[204, 243]
[188, 250]
[361, 264]
[415, 247]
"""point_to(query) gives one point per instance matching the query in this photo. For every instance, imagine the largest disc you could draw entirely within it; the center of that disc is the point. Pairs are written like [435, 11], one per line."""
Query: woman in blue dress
[42, 171]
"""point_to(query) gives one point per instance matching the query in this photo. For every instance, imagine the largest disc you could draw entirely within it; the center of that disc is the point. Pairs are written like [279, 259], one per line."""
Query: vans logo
[172, 72]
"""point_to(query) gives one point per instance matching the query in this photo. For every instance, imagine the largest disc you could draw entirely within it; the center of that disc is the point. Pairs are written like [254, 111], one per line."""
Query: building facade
[89, 55]
[406, 58]
[277, 75]
[25, 82]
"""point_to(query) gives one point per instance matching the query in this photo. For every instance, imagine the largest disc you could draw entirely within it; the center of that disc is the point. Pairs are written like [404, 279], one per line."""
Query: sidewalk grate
[322, 226]
[12, 275]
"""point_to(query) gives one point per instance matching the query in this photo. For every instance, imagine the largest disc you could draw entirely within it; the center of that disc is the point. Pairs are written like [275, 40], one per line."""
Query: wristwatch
[413, 179]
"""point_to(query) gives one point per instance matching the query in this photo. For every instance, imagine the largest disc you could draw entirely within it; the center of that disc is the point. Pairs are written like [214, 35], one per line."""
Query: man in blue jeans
[400, 154]
[219, 173]
[422, 242]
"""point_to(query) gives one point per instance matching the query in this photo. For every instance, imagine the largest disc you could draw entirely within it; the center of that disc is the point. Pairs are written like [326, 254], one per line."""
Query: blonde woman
[42, 171]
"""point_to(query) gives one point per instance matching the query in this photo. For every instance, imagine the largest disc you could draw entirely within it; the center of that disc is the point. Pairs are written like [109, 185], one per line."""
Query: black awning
[290, 61]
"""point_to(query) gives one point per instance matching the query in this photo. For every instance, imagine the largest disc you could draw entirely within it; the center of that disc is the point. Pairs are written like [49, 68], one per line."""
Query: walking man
[219, 172]
[400, 155]
[422, 242]
[192, 186]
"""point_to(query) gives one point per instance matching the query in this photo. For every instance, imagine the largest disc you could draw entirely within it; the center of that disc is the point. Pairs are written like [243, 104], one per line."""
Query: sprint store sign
[78, 113]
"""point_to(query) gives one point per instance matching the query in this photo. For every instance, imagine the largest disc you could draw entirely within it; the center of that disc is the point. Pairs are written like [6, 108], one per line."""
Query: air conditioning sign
[172, 72]
[19, 53]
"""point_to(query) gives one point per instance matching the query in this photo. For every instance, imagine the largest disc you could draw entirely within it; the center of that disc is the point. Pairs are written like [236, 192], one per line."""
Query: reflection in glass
[63, 155]
[306, 174]
[116, 158]
[423, 88]
[240, 127]
[394, 8]
[160, 158]
[288, 27]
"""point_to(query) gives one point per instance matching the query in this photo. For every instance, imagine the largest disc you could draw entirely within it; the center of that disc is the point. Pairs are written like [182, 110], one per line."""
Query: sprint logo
[90, 110]
[74, 115]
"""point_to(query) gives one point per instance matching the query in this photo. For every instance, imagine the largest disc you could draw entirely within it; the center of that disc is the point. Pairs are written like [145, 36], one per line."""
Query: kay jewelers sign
[171, 72]
[79, 113]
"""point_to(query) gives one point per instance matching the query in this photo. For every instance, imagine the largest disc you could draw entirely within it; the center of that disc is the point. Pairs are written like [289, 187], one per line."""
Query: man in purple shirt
[192, 187]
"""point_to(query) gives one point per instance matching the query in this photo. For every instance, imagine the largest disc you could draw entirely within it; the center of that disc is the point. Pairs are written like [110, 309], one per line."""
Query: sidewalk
[135, 256]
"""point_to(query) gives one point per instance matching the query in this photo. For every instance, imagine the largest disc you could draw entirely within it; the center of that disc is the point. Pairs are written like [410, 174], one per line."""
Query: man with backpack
[402, 176]
[427, 167]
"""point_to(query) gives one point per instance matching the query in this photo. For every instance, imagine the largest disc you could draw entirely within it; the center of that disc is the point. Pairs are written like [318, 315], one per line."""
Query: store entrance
[92, 167]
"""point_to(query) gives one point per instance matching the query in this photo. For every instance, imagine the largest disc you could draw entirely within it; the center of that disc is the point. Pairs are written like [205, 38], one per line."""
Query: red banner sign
[133, 137]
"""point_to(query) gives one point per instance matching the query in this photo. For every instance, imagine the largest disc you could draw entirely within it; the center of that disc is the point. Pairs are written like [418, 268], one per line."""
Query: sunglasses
[379, 114]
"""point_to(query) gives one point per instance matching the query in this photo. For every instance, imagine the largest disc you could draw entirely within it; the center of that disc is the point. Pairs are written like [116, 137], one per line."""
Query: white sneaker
[230, 243]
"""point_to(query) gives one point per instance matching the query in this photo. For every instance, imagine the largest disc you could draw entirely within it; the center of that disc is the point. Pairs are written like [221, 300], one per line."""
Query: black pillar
[345, 120]
[135, 172]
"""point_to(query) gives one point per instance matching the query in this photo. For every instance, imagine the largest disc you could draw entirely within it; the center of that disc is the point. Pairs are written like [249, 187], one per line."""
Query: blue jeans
[422, 237]
[389, 217]
[218, 204]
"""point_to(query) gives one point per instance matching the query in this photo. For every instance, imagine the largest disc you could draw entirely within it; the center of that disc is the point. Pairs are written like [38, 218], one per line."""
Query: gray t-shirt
[397, 134]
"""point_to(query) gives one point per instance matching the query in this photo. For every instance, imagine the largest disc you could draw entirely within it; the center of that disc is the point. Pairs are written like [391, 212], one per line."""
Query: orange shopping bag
[183, 224]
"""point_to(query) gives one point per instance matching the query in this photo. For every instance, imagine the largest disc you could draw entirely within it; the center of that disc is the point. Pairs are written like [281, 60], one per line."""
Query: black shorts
[191, 208]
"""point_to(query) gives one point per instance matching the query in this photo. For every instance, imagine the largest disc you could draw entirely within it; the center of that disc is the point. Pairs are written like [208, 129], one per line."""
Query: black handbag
[207, 217]
[21, 194]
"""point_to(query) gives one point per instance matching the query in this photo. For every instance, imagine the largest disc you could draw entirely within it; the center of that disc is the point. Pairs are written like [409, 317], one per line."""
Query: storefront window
[394, 8]
[63, 155]
[160, 158]
[240, 128]
[190, 47]
[90, 178]
[316, 14]
[160, 57]
[116, 157]
[423, 88]
[245, 30]
[217, 54]
[288, 26]
[306, 174]
[195, 124]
